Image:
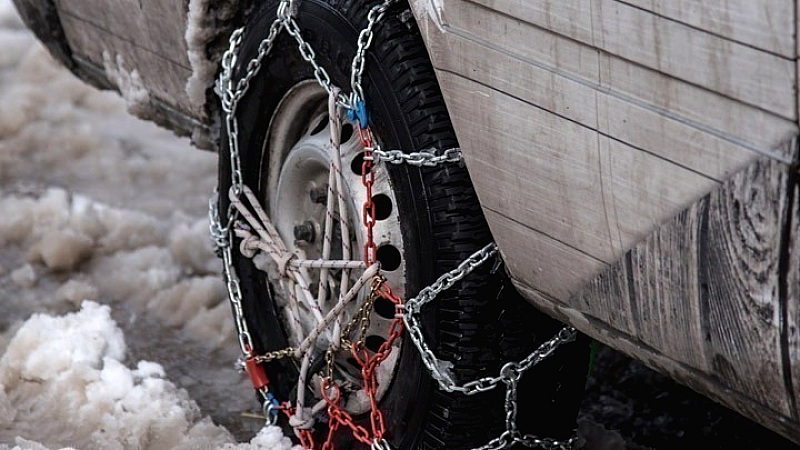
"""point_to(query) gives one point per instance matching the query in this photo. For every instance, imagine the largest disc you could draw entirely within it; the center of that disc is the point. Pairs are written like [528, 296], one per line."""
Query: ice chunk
[62, 250]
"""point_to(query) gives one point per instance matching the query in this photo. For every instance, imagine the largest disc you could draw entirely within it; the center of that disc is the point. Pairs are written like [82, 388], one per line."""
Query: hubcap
[295, 174]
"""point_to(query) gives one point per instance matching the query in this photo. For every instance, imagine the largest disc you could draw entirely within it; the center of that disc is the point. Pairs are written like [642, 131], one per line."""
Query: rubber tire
[479, 323]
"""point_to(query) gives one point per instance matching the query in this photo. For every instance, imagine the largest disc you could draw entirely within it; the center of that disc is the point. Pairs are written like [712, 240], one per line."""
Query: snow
[208, 24]
[115, 331]
[65, 383]
[199, 32]
[129, 84]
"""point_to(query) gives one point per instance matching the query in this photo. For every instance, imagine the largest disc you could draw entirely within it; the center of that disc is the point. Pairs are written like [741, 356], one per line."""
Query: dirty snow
[129, 83]
[199, 33]
[114, 328]
[65, 382]
[207, 22]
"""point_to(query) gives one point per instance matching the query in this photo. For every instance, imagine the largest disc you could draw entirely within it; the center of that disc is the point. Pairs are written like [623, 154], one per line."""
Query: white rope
[326, 238]
[262, 236]
[251, 243]
[273, 245]
[337, 310]
[336, 167]
[302, 420]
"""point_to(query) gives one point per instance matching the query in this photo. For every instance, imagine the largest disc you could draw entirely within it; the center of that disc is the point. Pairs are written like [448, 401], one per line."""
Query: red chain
[369, 364]
[306, 439]
[339, 416]
[368, 210]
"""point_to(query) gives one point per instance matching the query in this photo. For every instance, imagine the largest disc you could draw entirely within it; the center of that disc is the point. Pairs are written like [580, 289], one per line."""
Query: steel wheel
[295, 189]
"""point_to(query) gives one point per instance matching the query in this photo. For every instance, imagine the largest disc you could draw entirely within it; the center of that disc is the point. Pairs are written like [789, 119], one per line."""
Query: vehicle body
[637, 160]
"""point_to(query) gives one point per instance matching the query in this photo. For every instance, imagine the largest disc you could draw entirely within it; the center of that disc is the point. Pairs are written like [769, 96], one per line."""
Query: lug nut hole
[347, 132]
[384, 308]
[383, 206]
[374, 342]
[357, 164]
[389, 257]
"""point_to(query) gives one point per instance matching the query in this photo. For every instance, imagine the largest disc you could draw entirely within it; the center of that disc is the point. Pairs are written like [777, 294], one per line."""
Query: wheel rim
[294, 178]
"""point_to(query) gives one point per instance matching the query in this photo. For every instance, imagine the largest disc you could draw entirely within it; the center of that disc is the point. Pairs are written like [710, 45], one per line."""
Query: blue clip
[359, 113]
[275, 404]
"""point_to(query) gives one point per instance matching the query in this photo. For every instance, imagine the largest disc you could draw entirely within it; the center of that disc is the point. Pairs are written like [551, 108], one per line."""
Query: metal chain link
[221, 233]
[308, 55]
[235, 297]
[361, 318]
[428, 294]
[376, 13]
[447, 280]
[230, 96]
[274, 355]
[510, 373]
[422, 158]
[364, 41]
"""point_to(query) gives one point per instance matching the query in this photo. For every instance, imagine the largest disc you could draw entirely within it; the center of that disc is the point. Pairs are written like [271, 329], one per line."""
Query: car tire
[479, 323]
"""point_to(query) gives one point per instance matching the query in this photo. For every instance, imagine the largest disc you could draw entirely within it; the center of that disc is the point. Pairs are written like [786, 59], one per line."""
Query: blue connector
[359, 114]
[275, 404]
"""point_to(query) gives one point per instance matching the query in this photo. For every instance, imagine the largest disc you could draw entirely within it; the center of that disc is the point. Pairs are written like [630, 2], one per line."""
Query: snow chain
[245, 219]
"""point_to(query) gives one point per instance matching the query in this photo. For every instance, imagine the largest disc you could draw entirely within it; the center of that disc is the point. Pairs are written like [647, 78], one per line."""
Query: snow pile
[121, 254]
[136, 232]
[108, 404]
[64, 383]
[269, 438]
